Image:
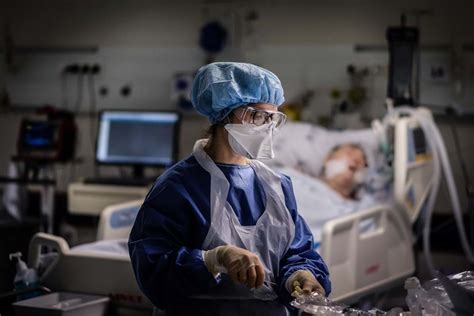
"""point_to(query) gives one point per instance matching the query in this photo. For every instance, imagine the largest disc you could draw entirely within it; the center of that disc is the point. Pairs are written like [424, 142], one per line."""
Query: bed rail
[88, 272]
[366, 251]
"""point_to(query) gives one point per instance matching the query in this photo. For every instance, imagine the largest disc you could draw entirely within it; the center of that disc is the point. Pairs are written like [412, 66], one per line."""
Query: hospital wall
[143, 43]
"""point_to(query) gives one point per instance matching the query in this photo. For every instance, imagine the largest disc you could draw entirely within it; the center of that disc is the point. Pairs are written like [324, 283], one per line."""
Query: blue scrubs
[166, 240]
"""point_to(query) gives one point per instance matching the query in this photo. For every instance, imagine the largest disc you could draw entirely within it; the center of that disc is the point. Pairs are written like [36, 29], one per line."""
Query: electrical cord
[92, 114]
[64, 90]
[92, 107]
[79, 97]
[462, 162]
[469, 189]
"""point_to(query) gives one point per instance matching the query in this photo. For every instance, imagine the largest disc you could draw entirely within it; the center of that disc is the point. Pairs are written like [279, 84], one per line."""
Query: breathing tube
[440, 163]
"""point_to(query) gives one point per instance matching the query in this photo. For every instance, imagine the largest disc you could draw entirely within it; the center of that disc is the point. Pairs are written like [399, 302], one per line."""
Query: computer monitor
[138, 138]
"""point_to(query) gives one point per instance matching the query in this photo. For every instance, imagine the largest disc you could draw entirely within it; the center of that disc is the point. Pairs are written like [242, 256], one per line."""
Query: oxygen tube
[440, 160]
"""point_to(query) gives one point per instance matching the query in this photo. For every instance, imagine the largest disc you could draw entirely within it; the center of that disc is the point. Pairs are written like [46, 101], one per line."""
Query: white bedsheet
[317, 203]
[304, 146]
[116, 247]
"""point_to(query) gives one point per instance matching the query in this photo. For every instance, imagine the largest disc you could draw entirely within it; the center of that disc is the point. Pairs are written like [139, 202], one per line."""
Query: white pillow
[305, 146]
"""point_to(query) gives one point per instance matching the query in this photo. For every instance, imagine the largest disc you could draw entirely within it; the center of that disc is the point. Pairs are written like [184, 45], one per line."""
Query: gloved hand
[241, 265]
[303, 282]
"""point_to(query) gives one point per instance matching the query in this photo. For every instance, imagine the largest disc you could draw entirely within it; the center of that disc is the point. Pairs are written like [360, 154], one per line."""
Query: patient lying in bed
[334, 192]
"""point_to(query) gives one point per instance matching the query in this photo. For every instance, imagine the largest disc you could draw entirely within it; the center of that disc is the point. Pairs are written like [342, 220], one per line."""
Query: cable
[80, 84]
[64, 90]
[92, 114]
[92, 106]
[462, 163]
[467, 181]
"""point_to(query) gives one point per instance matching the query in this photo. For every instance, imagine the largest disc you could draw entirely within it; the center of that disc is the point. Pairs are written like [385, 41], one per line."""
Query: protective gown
[167, 239]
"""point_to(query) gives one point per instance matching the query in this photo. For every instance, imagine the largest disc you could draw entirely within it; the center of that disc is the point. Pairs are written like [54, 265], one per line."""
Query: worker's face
[251, 129]
[355, 163]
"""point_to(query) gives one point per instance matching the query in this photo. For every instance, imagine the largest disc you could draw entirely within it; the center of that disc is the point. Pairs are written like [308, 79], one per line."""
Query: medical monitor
[138, 138]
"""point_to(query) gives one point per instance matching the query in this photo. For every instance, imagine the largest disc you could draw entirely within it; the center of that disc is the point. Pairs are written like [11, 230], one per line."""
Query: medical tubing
[439, 155]
[435, 185]
[462, 162]
[426, 126]
[453, 194]
[79, 96]
[431, 200]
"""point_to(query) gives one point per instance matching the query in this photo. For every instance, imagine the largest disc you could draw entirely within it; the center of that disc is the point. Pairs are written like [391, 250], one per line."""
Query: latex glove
[303, 282]
[241, 265]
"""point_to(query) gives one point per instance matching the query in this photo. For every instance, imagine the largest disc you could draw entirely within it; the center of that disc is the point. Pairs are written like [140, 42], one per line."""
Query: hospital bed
[360, 261]
[101, 268]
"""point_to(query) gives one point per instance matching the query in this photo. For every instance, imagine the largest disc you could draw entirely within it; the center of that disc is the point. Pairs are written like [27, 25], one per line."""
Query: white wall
[143, 43]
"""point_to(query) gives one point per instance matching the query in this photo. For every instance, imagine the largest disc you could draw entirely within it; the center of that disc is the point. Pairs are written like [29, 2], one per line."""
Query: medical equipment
[250, 115]
[49, 138]
[251, 141]
[30, 173]
[403, 44]
[91, 199]
[44, 140]
[138, 139]
[437, 164]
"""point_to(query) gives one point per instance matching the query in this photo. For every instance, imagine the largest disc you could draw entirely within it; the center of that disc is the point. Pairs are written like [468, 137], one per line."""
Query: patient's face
[344, 180]
[353, 155]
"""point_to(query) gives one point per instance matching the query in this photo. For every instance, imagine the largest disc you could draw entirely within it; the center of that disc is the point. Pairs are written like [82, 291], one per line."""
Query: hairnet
[219, 88]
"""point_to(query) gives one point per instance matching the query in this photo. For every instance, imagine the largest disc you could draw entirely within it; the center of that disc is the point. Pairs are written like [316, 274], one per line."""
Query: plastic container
[62, 303]
[414, 292]
[25, 278]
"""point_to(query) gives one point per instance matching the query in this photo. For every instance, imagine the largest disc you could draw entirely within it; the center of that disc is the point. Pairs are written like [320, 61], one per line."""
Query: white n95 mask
[251, 141]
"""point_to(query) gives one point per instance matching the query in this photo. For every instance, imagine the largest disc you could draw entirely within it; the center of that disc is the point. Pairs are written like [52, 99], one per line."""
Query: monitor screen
[137, 138]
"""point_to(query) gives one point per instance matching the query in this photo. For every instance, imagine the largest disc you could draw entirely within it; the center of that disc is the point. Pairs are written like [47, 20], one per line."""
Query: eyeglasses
[250, 115]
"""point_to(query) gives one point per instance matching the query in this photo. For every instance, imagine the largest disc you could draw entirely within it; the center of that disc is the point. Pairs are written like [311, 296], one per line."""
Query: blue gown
[166, 240]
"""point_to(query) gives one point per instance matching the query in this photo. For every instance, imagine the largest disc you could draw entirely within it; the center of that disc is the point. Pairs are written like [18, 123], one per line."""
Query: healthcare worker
[219, 233]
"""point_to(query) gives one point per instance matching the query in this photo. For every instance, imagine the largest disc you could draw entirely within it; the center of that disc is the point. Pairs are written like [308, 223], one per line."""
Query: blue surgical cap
[219, 88]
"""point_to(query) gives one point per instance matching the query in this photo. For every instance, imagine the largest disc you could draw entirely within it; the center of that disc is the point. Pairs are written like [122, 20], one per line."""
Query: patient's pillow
[304, 146]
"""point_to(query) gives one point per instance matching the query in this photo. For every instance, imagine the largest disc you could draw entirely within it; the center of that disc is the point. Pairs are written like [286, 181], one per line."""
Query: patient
[344, 170]
[335, 192]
